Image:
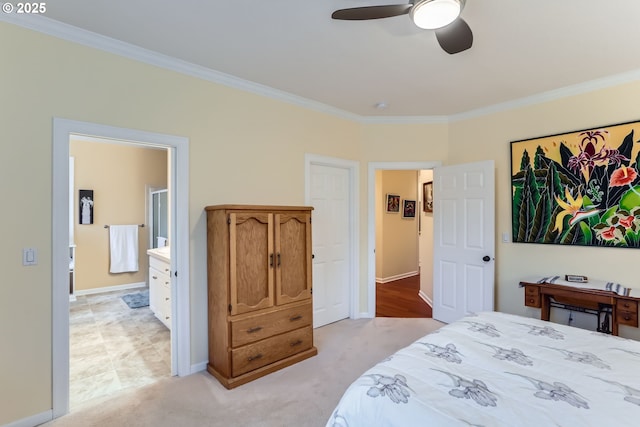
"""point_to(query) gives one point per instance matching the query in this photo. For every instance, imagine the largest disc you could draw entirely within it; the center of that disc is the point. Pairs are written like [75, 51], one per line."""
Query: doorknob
[486, 258]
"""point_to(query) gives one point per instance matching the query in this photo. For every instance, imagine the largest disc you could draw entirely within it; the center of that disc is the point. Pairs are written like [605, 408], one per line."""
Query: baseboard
[110, 288]
[33, 420]
[199, 367]
[396, 277]
[425, 298]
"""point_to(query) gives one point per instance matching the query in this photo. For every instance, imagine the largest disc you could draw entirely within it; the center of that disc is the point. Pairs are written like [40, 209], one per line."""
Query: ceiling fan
[443, 16]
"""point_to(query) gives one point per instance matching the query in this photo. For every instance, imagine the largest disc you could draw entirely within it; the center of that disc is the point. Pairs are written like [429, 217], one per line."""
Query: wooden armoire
[259, 290]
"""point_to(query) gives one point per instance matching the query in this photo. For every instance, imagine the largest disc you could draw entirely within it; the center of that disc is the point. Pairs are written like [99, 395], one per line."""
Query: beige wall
[396, 237]
[119, 175]
[489, 137]
[243, 149]
[425, 242]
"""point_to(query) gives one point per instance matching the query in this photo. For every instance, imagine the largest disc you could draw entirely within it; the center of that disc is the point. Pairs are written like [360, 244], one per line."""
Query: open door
[464, 240]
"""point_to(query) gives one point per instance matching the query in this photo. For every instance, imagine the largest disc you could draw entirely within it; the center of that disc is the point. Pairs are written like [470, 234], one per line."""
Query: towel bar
[140, 225]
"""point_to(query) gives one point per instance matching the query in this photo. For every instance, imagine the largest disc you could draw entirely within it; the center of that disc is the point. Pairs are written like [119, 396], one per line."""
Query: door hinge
[229, 308]
[229, 220]
[175, 273]
[311, 290]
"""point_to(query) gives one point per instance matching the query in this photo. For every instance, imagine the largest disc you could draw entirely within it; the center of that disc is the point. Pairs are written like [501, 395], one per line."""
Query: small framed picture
[427, 196]
[393, 203]
[86, 206]
[575, 278]
[408, 209]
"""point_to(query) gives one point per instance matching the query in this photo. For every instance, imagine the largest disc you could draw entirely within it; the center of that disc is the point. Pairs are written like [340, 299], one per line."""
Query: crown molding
[552, 95]
[73, 34]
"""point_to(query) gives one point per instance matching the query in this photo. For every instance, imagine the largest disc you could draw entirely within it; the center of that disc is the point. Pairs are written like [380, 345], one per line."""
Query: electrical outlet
[29, 256]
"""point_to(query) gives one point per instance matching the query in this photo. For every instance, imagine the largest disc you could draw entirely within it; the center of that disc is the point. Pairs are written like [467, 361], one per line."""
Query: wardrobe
[259, 267]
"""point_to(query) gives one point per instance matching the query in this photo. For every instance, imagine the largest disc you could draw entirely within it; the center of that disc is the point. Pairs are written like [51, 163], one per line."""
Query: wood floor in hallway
[400, 299]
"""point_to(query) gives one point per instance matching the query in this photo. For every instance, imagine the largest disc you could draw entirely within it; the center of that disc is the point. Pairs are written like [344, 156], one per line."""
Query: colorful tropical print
[580, 188]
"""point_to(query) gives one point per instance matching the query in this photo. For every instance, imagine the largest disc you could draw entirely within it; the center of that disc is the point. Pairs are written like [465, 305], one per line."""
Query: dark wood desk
[623, 310]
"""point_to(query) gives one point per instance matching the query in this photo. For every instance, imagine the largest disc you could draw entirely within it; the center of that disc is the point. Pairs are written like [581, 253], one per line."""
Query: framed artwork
[393, 203]
[408, 208]
[578, 188]
[427, 196]
[86, 206]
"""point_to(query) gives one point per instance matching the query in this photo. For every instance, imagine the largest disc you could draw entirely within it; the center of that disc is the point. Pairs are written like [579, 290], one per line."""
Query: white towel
[123, 244]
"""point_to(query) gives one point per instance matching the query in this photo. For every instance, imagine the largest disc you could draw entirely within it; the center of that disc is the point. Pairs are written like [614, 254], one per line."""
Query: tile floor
[114, 347]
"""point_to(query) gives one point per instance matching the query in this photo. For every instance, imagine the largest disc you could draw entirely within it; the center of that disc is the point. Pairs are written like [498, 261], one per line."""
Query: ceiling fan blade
[371, 12]
[455, 37]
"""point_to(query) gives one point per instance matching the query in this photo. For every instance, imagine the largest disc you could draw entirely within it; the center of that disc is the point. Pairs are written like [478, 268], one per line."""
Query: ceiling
[522, 48]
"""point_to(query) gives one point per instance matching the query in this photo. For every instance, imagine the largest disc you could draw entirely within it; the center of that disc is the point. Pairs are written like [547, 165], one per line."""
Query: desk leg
[545, 310]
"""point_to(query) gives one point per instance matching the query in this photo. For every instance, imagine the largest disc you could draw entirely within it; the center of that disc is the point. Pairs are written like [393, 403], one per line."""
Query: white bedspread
[496, 369]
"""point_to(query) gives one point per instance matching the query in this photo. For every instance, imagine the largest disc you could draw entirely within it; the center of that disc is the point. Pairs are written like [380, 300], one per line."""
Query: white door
[464, 240]
[329, 196]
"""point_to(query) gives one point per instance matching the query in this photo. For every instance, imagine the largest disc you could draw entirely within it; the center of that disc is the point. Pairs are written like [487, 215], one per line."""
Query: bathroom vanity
[160, 284]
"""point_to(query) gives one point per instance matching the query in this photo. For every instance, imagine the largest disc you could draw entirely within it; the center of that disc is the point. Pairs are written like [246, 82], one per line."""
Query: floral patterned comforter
[496, 369]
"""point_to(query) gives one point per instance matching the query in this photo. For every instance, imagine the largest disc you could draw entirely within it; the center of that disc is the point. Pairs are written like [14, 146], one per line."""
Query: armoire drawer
[254, 328]
[262, 353]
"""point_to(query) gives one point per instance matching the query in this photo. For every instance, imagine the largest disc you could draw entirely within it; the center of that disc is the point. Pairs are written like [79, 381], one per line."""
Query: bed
[495, 369]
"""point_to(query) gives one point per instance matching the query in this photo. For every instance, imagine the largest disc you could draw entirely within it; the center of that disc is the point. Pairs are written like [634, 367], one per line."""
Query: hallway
[400, 299]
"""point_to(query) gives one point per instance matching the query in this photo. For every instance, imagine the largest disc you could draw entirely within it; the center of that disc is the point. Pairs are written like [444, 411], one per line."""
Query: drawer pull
[155, 277]
[294, 318]
[254, 329]
[626, 317]
[626, 305]
[167, 317]
[256, 357]
[295, 343]
[166, 298]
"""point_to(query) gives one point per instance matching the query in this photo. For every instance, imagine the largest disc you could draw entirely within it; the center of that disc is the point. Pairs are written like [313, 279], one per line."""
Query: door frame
[178, 147]
[371, 209]
[353, 167]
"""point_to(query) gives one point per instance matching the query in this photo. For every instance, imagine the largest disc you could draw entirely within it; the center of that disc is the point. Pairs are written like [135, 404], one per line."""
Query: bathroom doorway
[117, 339]
[177, 147]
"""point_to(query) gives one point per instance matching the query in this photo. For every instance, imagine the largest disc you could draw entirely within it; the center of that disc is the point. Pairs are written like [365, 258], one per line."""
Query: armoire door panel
[293, 251]
[251, 265]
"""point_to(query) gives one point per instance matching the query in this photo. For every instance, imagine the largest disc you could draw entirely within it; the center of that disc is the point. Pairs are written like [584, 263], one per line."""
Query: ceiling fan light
[432, 14]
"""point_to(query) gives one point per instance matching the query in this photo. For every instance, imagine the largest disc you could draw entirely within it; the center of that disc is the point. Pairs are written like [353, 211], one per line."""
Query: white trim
[425, 298]
[181, 340]
[353, 168]
[102, 290]
[73, 34]
[199, 367]
[551, 95]
[33, 420]
[396, 277]
[371, 209]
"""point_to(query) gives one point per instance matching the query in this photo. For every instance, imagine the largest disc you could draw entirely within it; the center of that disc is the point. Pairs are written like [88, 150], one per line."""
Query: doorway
[117, 339]
[404, 242]
[178, 147]
[375, 211]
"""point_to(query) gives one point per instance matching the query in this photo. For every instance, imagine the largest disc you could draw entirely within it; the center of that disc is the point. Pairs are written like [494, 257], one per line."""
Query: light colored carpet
[304, 394]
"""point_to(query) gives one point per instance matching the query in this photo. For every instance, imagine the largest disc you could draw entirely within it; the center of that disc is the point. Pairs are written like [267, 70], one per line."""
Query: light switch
[505, 237]
[29, 256]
